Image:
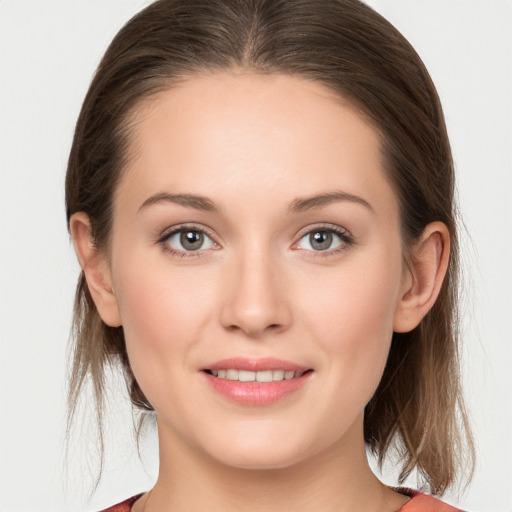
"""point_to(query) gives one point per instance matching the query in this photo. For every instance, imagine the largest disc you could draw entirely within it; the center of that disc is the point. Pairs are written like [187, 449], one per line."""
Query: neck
[338, 479]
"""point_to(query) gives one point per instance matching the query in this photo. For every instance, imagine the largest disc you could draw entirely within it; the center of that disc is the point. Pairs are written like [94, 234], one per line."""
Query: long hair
[348, 47]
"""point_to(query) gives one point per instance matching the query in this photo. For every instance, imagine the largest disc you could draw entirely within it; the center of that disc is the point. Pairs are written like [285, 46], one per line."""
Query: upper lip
[256, 364]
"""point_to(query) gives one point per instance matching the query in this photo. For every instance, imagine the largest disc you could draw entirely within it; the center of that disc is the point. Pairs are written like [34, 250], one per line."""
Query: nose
[256, 299]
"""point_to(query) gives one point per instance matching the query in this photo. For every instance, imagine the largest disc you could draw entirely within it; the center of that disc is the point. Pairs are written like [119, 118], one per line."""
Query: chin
[260, 460]
[257, 452]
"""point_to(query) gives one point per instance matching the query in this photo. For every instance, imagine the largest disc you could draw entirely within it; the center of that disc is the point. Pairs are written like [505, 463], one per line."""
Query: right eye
[186, 240]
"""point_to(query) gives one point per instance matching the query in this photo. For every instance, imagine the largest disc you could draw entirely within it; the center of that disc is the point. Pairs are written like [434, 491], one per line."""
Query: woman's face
[256, 238]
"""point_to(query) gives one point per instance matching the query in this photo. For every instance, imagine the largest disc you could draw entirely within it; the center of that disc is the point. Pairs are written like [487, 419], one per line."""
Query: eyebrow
[300, 204]
[189, 200]
[317, 201]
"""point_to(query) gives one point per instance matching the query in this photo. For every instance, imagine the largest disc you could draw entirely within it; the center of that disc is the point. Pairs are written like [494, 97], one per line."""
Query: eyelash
[166, 235]
[346, 238]
[344, 235]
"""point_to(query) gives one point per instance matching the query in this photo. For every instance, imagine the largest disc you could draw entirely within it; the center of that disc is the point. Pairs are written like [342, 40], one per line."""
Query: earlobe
[427, 269]
[95, 266]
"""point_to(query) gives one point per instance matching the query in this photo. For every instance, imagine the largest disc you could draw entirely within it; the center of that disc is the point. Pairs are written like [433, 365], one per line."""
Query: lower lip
[256, 393]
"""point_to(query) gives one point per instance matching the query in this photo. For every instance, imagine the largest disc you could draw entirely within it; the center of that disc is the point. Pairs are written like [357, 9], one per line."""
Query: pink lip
[256, 393]
[256, 365]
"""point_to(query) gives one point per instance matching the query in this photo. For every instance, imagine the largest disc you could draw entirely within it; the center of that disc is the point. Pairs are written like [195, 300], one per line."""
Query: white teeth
[246, 376]
[232, 374]
[277, 374]
[265, 376]
[249, 376]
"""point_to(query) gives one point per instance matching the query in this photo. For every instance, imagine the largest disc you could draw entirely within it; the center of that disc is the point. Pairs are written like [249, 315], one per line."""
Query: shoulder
[421, 502]
[124, 506]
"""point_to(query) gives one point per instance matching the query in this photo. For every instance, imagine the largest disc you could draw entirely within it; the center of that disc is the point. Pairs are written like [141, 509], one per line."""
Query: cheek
[163, 316]
[352, 314]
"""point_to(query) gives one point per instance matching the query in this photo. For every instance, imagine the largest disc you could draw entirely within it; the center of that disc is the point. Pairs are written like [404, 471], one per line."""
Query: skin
[254, 147]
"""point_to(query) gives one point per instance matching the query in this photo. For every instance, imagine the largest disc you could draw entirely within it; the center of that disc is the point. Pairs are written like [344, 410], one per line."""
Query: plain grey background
[49, 50]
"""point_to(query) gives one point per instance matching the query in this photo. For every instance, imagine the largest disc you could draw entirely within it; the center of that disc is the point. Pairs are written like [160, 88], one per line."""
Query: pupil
[321, 240]
[192, 240]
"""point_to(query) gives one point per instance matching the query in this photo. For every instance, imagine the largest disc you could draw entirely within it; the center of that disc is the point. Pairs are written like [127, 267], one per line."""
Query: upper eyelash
[167, 233]
[181, 227]
[344, 234]
[332, 228]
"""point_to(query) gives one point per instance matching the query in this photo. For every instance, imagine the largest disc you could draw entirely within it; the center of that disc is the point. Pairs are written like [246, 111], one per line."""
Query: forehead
[252, 134]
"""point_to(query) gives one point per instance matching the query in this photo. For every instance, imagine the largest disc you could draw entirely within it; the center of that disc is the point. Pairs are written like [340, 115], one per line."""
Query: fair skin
[293, 252]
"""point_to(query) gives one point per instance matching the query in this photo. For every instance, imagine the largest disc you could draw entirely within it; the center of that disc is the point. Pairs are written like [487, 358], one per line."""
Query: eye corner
[187, 241]
[328, 234]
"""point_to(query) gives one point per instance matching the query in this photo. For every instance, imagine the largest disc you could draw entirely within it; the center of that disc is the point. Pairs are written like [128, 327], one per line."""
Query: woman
[260, 194]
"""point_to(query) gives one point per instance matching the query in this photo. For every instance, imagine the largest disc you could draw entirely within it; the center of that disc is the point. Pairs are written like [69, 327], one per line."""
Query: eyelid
[344, 234]
[177, 228]
[171, 230]
[325, 226]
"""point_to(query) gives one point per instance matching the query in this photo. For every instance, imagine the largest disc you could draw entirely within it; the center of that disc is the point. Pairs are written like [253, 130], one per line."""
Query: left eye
[321, 240]
[189, 240]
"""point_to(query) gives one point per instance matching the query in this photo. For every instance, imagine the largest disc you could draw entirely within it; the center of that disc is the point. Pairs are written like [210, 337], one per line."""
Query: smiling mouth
[260, 376]
[256, 382]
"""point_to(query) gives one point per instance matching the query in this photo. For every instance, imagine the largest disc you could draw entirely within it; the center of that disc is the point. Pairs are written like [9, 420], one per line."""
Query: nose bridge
[256, 299]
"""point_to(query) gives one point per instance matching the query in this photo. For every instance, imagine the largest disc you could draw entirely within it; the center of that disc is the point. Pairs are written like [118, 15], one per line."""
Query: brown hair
[348, 47]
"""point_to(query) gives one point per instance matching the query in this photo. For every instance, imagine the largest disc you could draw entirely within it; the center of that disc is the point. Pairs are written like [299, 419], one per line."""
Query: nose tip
[256, 301]
[253, 324]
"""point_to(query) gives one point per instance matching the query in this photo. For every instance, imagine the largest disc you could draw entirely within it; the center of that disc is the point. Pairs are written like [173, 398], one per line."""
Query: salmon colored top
[419, 502]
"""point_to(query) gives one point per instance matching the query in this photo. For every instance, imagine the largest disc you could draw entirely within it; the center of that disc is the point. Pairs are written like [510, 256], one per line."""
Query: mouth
[256, 381]
[256, 376]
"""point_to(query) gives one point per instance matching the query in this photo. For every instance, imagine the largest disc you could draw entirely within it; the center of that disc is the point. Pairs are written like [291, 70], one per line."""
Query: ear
[96, 268]
[424, 277]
